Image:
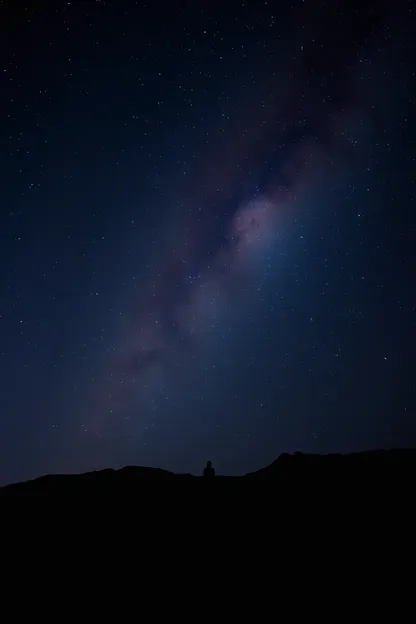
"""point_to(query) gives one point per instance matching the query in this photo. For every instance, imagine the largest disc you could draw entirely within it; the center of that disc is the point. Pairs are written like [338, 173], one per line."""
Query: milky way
[207, 232]
[223, 236]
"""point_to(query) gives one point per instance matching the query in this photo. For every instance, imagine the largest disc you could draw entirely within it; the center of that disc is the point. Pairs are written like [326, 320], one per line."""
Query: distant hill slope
[383, 467]
[378, 465]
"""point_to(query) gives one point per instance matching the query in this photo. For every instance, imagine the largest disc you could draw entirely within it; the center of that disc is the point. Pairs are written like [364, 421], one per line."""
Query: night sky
[207, 232]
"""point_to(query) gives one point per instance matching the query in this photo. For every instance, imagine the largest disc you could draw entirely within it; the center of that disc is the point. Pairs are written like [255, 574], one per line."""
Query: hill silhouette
[372, 468]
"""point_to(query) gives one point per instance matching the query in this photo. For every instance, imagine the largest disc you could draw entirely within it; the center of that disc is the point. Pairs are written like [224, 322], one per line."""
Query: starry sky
[207, 232]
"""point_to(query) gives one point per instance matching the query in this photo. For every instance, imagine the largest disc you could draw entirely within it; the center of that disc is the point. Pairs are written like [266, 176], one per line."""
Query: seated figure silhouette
[209, 470]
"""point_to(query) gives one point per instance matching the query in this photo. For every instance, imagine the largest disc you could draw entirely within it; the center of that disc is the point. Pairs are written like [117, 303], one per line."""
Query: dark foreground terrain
[373, 469]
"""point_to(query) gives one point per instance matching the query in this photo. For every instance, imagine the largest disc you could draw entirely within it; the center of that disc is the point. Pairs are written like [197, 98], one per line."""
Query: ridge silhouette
[380, 469]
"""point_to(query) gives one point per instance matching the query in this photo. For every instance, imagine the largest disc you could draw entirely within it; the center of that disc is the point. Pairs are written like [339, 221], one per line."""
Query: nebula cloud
[224, 235]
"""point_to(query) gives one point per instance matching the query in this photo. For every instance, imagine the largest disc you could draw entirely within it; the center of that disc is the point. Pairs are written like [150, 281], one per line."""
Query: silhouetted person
[209, 470]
